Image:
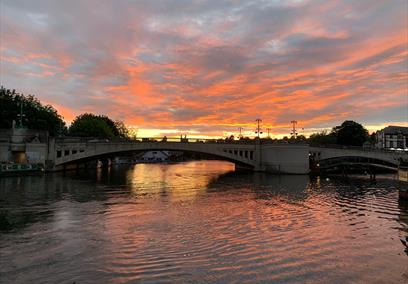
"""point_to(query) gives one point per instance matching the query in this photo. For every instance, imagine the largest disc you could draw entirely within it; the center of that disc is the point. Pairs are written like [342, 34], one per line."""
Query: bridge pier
[372, 172]
[344, 171]
[258, 165]
[284, 158]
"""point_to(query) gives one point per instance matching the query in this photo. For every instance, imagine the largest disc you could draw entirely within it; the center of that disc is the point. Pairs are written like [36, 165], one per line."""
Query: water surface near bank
[200, 222]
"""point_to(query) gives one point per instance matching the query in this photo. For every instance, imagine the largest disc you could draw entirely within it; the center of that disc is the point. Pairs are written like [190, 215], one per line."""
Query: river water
[200, 222]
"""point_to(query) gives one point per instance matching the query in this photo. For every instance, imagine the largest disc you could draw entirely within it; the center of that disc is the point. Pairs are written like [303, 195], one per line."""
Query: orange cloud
[207, 68]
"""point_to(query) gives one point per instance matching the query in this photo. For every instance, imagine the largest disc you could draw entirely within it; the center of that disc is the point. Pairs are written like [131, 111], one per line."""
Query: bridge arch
[329, 158]
[357, 162]
[239, 154]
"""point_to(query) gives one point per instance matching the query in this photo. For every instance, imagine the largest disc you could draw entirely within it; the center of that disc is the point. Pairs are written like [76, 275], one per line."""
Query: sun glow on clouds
[206, 68]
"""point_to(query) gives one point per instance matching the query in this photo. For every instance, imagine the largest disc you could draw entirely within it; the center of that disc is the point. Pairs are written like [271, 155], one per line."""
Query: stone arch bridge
[278, 158]
[269, 157]
[338, 157]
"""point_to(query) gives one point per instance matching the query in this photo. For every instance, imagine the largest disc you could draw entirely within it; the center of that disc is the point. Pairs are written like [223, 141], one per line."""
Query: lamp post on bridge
[21, 115]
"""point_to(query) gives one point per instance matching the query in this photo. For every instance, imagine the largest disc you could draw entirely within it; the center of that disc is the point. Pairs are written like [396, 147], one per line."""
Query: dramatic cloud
[211, 66]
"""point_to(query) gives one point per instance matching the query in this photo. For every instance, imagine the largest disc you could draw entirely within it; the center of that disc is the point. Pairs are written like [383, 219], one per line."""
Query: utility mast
[240, 131]
[269, 130]
[294, 132]
[258, 128]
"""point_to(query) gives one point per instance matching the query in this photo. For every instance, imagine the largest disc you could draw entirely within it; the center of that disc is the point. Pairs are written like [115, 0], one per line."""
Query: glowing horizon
[175, 133]
[206, 68]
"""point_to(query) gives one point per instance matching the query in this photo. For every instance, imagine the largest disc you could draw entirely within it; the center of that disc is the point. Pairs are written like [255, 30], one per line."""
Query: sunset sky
[209, 67]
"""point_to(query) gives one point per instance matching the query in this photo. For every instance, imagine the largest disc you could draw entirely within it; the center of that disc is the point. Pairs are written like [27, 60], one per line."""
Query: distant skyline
[209, 67]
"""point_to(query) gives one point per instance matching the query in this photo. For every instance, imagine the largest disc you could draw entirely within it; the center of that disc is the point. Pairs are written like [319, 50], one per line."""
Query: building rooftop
[395, 130]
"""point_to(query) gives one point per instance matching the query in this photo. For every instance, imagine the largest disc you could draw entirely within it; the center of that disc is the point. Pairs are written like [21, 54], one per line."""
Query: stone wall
[20, 145]
[285, 159]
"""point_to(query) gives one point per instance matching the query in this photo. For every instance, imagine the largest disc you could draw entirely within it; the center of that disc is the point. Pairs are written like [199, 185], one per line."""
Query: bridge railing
[359, 148]
[357, 160]
[89, 140]
[245, 141]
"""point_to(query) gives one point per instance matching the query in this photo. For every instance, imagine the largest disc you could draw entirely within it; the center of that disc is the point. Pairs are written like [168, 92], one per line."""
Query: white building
[392, 137]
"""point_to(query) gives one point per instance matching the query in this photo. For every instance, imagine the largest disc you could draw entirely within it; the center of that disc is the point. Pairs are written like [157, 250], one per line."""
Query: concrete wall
[36, 152]
[20, 145]
[287, 159]
[5, 153]
[21, 135]
[5, 135]
[33, 153]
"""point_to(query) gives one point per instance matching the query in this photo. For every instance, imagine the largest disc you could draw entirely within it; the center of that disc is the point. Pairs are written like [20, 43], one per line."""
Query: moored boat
[20, 169]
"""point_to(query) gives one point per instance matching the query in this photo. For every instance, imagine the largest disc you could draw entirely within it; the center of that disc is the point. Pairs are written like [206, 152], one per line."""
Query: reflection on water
[199, 222]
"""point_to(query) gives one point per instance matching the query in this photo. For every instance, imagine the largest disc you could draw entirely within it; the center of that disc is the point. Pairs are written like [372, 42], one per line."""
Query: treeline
[44, 117]
[349, 133]
[35, 114]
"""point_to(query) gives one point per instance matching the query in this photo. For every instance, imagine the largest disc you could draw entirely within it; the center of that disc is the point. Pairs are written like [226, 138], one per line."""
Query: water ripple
[198, 222]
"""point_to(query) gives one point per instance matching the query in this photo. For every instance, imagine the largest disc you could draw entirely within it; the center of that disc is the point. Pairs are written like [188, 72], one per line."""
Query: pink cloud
[212, 67]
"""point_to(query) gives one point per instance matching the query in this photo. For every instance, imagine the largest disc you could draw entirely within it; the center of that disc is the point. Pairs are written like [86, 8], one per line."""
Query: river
[200, 222]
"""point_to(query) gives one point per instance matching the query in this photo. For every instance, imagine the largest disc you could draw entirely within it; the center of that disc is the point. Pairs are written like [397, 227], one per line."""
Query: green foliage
[246, 139]
[349, 133]
[373, 138]
[123, 131]
[101, 126]
[110, 123]
[230, 138]
[36, 115]
[322, 138]
[299, 138]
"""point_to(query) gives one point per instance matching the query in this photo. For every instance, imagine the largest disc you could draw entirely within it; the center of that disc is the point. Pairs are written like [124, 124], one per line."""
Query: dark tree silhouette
[322, 138]
[350, 133]
[123, 131]
[36, 115]
[90, 125]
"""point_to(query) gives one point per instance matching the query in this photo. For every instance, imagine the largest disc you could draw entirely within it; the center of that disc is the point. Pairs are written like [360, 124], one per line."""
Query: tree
[322, 138]
[36, 115]
[373, 138]
[123, 131]
[230, 138]
[90, 125]
[350, 133]
[110, 123]
[300, 138]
